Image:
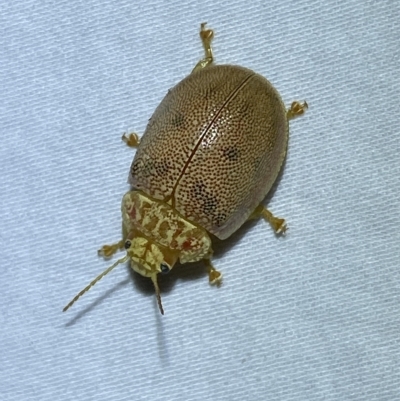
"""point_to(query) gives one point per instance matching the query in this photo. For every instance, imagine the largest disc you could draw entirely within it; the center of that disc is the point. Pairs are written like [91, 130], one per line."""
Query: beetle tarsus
[214, 276]
[132, 140]
[106, 251]
[297, 109]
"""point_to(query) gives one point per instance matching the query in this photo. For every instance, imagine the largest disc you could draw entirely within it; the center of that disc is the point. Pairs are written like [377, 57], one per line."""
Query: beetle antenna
[154, 280]
[88, 287]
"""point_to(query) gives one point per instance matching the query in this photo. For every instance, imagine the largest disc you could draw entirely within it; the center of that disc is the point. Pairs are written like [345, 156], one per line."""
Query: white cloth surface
[312, 316]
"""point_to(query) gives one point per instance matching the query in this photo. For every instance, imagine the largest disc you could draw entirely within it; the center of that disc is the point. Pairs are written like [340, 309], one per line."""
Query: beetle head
[149, 259]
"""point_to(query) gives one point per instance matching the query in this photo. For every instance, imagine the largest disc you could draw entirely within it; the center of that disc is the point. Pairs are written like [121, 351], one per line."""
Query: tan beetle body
[210, 153]
[214, 147]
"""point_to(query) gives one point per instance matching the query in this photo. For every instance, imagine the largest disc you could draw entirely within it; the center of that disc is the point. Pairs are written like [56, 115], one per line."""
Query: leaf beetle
[210, 154]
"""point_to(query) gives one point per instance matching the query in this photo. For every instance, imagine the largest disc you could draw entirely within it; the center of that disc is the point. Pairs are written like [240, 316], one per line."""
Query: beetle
[210, 154]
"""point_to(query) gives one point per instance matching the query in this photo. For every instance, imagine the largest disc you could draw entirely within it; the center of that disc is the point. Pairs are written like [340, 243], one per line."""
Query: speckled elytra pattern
[214, 147]
[158, 222]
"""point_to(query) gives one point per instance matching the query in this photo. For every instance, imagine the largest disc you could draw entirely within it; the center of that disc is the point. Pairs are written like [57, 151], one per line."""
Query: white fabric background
[313, 316]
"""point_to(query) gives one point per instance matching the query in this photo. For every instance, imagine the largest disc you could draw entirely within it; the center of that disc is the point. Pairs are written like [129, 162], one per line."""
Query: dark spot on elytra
[210, 205]
[199, 189]
[150, 168]
[135, 168]
[205, 199]
[231, 153]
[162, 167]
[178, 120]
[219, 219]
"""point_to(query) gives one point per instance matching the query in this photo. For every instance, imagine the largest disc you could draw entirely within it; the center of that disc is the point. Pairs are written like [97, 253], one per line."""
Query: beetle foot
[277, 223]
[214, 276]
[132, 140]
[206, 36]
[297, 109]
[106, 251]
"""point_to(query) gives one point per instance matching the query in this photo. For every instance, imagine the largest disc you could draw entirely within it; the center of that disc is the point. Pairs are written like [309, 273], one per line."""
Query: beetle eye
[127, 244]
[164, 268]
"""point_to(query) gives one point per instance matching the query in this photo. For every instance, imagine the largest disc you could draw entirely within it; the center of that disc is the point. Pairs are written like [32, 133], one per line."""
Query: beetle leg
[296, 109]
[214, 276]
[278, 224]
[106, 251]
[132, 140]
[206, 36]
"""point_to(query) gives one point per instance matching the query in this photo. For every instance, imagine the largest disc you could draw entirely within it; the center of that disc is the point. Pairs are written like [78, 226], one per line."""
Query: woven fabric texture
[311, 316]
